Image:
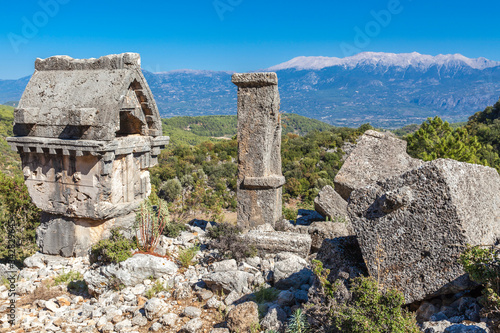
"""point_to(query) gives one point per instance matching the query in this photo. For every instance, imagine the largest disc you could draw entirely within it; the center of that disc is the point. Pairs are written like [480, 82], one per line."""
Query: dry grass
[44, 292]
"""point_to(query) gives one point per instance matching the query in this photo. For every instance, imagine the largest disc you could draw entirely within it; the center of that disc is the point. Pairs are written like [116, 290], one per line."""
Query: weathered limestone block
[377, 156]
[278, 241]
[87, 131]
[412, 228]
[260, 179]
[331, 205]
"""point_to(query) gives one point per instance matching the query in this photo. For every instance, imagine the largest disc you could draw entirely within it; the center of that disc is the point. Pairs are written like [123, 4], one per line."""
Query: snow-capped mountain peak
[403, 60]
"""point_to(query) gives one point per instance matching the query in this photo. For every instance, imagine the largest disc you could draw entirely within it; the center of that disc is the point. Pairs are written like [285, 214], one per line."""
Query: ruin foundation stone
[87, 131]
[377, 156]
[412, 228]
[260, 181]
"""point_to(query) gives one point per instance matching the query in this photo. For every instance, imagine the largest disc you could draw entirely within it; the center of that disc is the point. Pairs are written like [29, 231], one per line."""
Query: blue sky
[240, 35]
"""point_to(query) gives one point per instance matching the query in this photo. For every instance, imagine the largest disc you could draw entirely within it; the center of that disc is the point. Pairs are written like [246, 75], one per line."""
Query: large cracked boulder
[413, 227]
[377, 156]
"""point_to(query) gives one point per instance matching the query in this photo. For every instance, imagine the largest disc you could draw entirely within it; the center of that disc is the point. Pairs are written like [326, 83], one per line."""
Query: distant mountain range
[385, 89]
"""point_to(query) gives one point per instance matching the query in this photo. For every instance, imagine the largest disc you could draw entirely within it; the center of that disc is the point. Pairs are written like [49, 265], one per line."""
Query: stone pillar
[259, 150]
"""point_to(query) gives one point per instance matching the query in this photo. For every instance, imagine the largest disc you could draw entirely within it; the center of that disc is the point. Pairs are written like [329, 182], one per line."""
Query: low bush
[174, 229]
[223, 230]
[19, 218]
[73, 280]
[67, 277]
[263, 295]
[371, 310]
[187, 255]
[115, 249]
[226, 239]
[290, 214]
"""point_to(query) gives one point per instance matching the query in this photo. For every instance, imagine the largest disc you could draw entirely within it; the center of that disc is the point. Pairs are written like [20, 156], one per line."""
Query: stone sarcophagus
[260, 181]
[87, 131]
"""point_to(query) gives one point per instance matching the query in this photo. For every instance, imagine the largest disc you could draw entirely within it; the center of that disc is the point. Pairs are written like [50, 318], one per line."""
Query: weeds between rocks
[187, 255]
[44, 292]
[263, 295]
[226, 239]
[115, 249]
[156, 288]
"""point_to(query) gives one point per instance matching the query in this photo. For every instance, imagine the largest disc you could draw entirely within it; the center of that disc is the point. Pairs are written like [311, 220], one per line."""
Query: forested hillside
[195, 130]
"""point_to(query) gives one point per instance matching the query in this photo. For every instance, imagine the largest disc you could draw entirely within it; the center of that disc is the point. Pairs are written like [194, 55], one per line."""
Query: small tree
[172, 188]
[151, 220]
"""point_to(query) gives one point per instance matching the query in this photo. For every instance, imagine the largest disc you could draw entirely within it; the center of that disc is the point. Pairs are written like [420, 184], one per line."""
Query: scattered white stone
[192, 326]
[154, 308]
[169, 319]
[192, 312]
[52, 306]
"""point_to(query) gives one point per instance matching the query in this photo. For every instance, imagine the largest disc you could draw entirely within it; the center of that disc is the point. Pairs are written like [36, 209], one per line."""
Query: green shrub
[297, 323]
[171, 189]
[156, 288]
[174, 229]
[322, 276]
[78, 286]
[371, 310]
[290, 214]
[255, 327]
[73, 280]
[223, 230]
[18, 217]
[264, 295]
[483, 266]
[115, 249]
[67, 277]
[187, 255]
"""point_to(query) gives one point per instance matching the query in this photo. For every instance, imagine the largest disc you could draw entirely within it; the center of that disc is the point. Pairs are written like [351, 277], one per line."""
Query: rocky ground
[153, 293]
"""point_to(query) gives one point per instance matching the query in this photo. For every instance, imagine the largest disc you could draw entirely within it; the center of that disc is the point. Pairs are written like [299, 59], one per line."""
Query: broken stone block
[321, 231]
[412, 228]
[260, 181]
[377, 156]
[279, 241]
[87, 130]
[331, 205]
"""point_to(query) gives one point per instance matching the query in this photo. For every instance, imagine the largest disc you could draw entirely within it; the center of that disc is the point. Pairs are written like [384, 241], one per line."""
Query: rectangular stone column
[259, 150]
